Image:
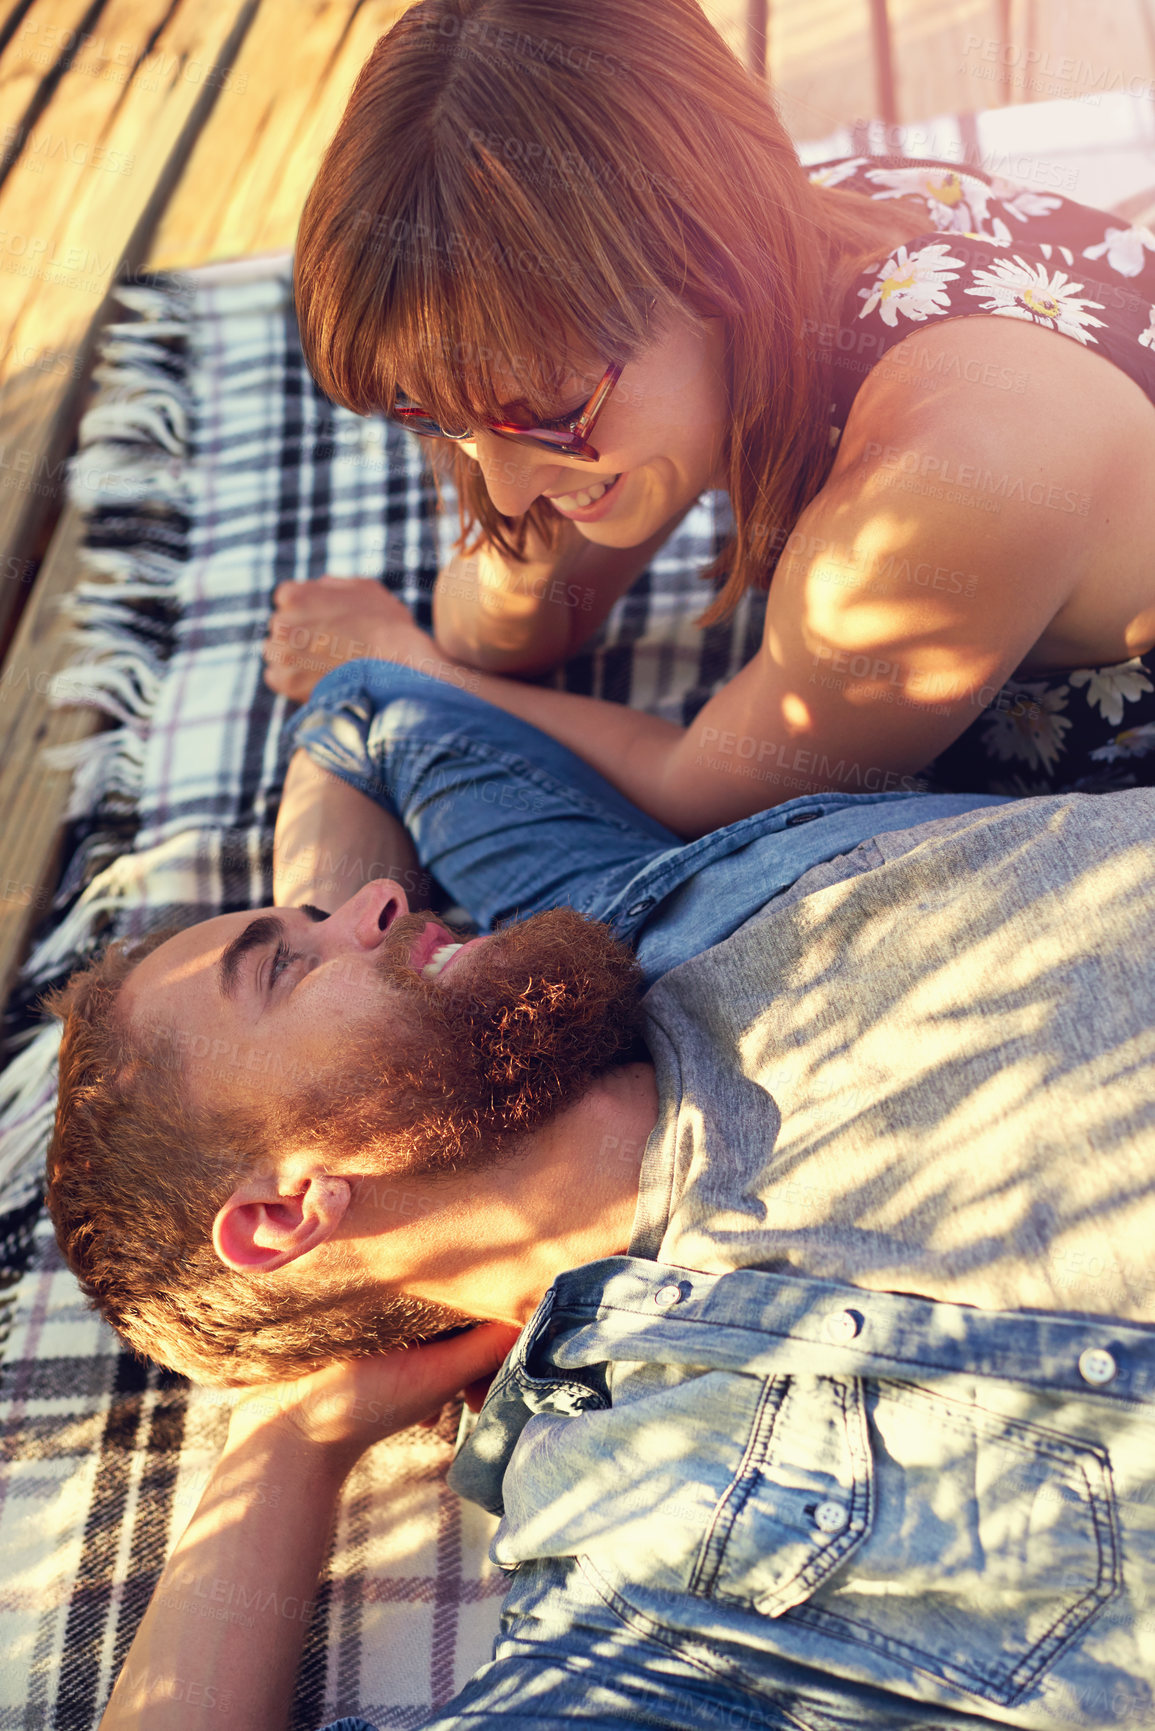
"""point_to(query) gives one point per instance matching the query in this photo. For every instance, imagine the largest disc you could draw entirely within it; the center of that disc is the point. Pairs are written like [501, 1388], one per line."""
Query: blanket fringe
[69, 939]
[123, 651]
[27, 1110]
[129, 477]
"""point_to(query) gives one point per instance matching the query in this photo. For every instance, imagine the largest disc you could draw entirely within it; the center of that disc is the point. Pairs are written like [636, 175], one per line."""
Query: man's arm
[221, 1640]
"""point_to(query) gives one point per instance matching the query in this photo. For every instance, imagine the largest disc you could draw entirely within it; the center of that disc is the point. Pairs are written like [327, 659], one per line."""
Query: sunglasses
[567, 436]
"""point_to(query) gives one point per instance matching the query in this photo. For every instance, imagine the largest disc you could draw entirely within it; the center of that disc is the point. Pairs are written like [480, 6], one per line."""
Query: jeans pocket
[994, 1543]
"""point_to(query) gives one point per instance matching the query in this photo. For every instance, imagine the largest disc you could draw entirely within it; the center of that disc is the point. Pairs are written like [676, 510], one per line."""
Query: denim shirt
[853, 1508]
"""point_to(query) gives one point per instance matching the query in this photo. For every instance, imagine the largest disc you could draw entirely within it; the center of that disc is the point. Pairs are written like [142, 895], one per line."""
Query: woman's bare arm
[942, 552]
[500, 617]
[331, 840]
[898, 609]
[489, 613]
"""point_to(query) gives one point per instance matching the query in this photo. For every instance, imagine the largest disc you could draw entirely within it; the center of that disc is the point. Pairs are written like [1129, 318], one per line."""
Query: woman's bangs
[467, 345]
[456, 355]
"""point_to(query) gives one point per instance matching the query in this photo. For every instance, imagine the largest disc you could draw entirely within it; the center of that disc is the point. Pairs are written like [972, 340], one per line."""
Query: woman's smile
[589, 501]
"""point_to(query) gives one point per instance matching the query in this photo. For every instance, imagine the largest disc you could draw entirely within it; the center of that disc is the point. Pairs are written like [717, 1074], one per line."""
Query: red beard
[546, 1006]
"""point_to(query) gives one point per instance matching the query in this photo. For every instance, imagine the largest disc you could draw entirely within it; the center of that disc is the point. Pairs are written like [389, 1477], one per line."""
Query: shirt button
[1096, 1365]
[830, 1517]
[842, 1325]
[640, 907]
[667, 1296]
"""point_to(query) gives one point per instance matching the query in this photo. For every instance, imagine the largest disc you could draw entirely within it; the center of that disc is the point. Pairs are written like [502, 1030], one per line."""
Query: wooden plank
[882, 50]
[757, 35]
[258, 155]
[286, 194]
[821, 71]
[940, 52]
[48, 34]
[136, 94]
[32, 797]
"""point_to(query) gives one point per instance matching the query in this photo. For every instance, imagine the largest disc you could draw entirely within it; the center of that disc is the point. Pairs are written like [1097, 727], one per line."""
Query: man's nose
[366, 917]
[514, 475]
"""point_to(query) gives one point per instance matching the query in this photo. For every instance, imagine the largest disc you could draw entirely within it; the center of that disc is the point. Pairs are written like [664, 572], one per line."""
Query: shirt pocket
[973, 1547]
[800, 1501]
[715, 1488]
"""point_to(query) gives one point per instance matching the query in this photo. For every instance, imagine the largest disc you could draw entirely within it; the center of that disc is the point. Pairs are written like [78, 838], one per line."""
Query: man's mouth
[435, 949]
[439, 959]
[432, 940]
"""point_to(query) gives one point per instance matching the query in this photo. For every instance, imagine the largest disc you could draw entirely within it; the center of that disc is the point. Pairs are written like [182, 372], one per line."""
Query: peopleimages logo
[1040, 69]
[488, 41]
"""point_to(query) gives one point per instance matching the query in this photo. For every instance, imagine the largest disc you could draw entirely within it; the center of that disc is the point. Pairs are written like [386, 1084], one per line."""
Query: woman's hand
[316, 626]
[342, 1409]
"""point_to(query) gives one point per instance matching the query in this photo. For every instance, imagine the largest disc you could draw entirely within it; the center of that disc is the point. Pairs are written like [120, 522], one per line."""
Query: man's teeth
[588, 495]
[438, 960]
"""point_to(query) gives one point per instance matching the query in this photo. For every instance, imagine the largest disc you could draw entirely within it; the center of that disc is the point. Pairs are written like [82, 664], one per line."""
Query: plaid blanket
[210, 469]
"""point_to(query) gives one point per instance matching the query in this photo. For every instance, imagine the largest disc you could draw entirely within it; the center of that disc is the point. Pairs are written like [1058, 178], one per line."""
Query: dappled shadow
[947, 1069]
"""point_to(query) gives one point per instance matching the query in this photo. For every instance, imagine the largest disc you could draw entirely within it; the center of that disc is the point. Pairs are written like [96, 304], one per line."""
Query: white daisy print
[1108, 688]
[1048, 248]
[957, 203]
[1147, 337]
[1031, 728]
[913, 284]
[1124, 249]
[999, 234]
[835, 171]
[1132, 742]
[1020, 290]
[1020, 201]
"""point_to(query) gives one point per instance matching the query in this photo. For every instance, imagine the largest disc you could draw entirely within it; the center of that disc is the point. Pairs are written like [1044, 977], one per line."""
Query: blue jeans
[510, 823]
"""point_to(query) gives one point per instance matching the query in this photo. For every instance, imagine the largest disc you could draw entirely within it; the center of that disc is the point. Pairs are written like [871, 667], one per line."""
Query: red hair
[518, 178]
[136, 1174]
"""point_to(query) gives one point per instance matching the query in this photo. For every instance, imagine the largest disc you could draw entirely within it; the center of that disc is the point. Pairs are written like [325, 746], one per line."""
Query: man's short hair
[136, 1175]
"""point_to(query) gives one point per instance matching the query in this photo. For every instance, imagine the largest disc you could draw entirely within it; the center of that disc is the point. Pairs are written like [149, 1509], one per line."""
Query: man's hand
[316, 626]
[188, 1672]
[344, 1408]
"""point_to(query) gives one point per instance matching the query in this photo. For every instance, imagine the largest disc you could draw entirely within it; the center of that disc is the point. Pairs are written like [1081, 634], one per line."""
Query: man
[397, 775]
[836, 1408]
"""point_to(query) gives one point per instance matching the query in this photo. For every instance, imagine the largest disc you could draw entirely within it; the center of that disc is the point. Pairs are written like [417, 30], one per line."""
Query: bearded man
[833, 1393]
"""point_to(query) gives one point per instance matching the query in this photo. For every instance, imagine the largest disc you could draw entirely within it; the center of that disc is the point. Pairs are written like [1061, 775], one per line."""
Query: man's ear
[258, 1229]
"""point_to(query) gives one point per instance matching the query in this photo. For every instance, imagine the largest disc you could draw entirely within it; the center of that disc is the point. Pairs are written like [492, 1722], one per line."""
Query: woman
[577, 245]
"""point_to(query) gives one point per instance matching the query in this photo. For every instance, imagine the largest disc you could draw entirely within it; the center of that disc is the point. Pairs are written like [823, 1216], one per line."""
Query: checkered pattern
[210, 470]
[105, 1459]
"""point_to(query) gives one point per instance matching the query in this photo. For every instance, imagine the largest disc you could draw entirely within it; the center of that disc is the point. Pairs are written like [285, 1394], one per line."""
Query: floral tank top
[996, 247]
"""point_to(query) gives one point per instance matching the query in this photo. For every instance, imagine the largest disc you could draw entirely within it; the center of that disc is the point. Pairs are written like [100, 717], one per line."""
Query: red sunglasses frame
[568, 440]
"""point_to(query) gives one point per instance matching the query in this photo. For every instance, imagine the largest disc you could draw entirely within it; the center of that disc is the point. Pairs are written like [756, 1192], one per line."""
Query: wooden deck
[165, 133]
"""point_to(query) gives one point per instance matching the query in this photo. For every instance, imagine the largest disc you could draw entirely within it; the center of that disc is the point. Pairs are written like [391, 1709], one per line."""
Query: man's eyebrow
[268, 929]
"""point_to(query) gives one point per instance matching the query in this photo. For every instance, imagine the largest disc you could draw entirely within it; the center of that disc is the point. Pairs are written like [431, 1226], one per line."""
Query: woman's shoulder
[1023, 455]
[991, 248]
[1001, 386]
